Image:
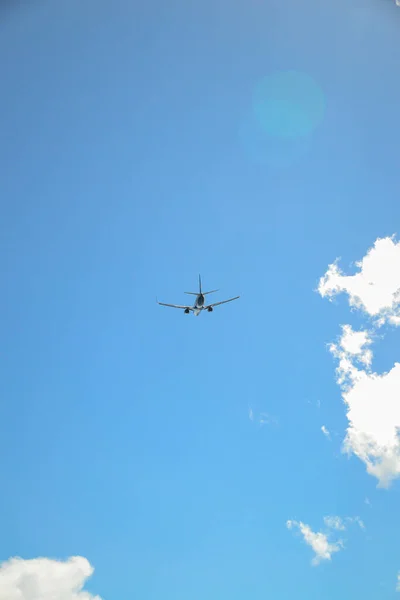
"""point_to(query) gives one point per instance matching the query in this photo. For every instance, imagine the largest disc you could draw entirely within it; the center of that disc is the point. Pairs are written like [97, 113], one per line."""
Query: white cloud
[45, 579]
[373, 409]
[319, 542]
[398, 582]
[251, 414]
[371, 399]
[376, 287]
[325, 432]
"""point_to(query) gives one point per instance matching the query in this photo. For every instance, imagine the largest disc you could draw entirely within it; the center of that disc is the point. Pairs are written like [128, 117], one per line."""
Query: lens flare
[274, 151]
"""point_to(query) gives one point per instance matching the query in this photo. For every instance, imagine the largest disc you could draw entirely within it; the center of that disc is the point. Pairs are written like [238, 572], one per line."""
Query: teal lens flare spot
[274, 151]
[288, 104]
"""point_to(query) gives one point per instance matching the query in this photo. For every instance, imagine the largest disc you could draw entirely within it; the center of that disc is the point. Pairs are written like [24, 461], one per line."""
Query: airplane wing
[175, 305]
[222, 302]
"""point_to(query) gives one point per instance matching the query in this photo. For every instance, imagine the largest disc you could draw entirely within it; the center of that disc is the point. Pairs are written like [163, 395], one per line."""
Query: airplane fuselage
[198, 306]
[199, 301]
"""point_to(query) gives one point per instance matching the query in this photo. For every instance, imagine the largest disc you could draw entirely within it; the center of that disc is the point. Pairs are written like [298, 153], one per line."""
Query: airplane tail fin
[205, 293]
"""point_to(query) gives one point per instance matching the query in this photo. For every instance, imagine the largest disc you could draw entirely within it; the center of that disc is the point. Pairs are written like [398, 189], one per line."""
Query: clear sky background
[170, 451]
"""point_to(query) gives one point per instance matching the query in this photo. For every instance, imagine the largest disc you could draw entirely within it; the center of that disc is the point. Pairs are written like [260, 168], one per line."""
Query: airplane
[199, 304]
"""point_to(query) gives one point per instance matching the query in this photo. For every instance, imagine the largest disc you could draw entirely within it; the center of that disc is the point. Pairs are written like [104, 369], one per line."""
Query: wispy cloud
[45, 579]
[262, 418]
[267, 419]
[340, 524]
[357, 520]
[334, 523]
[326, 432]
[317, 403]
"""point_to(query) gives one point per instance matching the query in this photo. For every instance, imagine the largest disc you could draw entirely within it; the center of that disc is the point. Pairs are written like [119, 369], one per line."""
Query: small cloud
[326, 432]
[398, 582]
[367, 501]
[262, 418]
[334, 523]
[317, 403]
[45, 578]
[355, 520]
[319, 542]
[266, 419]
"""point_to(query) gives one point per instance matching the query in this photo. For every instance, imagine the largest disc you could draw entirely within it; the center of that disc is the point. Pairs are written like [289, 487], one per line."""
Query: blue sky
[126, 436]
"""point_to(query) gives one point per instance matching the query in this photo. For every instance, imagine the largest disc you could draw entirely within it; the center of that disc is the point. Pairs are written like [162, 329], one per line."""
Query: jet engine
[210, 309]
[187, 311]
